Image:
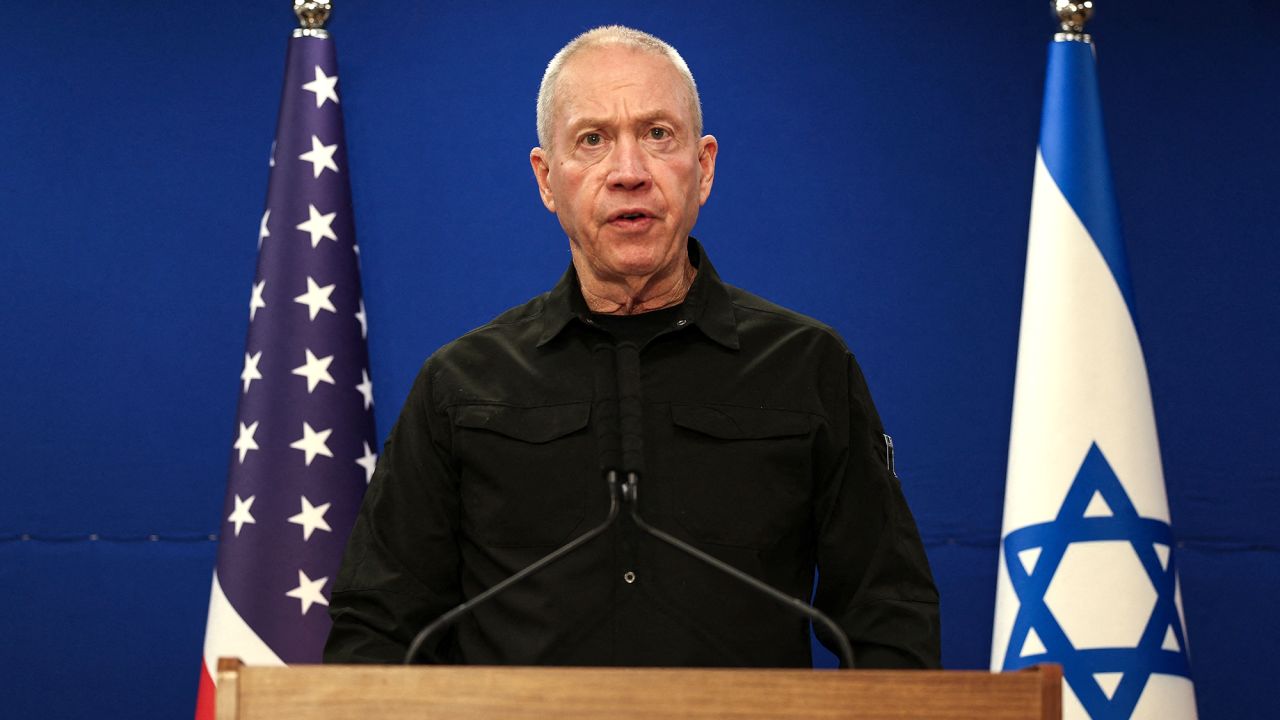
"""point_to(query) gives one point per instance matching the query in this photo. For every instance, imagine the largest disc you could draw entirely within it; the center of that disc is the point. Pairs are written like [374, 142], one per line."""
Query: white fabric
[228, 635]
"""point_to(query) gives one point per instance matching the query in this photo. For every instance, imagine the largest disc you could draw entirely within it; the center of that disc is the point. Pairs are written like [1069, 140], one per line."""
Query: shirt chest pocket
[523, 472]
[741, 474]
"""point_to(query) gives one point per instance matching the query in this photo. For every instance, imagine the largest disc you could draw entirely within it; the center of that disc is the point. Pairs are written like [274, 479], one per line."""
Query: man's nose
[629, 169]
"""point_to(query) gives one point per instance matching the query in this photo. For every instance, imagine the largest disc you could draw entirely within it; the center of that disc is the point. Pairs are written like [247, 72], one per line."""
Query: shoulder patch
[888, 454]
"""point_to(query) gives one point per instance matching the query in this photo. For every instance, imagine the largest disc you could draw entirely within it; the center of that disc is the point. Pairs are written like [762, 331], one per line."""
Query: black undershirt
[641, 328]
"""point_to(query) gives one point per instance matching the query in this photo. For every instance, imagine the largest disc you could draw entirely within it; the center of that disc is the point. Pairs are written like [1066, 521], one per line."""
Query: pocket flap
[731, 422]
[530, 424]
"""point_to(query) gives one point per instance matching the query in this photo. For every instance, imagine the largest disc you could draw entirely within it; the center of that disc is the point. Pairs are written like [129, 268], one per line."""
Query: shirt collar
[707, 305]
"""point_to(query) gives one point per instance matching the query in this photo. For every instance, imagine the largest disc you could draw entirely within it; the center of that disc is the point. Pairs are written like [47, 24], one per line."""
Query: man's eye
[658, 133]
[592, 139]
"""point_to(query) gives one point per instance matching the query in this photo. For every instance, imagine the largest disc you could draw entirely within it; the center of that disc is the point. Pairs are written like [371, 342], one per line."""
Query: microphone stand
[631, 410]
[630, 493]
[447, 619]
[628, 417]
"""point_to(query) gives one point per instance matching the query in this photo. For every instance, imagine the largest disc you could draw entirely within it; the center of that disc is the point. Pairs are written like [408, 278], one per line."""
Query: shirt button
[681, 322]
[629, 576]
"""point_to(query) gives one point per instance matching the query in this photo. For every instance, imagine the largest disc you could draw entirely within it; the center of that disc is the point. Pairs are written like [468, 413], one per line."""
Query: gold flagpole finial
[312, 15]
[1072, 15]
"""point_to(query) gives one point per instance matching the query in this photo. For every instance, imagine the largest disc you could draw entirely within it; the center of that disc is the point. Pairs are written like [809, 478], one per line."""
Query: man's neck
[635, 295]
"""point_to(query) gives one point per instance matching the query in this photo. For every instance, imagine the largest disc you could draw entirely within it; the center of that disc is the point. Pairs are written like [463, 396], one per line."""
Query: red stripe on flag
[204, 697]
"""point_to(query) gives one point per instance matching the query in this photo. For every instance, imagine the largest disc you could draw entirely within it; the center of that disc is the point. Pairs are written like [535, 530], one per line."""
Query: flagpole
[312, 14]
[1073, 15]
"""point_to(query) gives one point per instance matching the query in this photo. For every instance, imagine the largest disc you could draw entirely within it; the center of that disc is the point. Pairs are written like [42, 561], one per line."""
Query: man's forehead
[595, 79]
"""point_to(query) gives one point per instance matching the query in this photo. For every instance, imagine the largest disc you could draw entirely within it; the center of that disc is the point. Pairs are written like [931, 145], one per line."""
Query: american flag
[303, 450]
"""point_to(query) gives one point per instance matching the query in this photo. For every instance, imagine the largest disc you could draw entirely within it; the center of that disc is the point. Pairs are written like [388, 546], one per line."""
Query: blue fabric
[1074, 146]
[874, 172]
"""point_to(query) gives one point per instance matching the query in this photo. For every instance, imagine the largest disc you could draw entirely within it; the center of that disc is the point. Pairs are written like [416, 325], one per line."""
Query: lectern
[375, 692]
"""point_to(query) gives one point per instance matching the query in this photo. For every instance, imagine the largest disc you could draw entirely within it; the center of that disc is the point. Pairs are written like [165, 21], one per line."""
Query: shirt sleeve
[873, 575]
[400, 569]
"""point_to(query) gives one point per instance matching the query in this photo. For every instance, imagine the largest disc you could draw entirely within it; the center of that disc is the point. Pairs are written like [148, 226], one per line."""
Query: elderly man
[761, 443]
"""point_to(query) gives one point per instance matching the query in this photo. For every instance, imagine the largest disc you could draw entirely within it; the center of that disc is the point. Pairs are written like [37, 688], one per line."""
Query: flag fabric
[303, 448]
[1087, 574]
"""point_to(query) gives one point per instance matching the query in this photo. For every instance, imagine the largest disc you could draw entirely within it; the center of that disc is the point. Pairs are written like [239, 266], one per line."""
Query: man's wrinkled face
[625, 173]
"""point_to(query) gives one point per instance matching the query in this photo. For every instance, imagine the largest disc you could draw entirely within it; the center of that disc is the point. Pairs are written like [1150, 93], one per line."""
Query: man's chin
[637, 265]
[627, 257]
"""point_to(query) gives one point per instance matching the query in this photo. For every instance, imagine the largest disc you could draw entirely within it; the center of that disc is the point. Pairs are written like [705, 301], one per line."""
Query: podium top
[328, 692]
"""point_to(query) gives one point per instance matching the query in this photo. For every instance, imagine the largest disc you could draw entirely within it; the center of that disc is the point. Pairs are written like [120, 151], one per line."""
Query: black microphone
[610, 454]
[631, 423]
[630, 410]
[605, 408]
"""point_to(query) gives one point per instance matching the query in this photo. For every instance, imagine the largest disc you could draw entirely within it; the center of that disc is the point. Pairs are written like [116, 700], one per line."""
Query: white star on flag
[320, 156]
[364, 322]
[311, 518]
[312, 443]
[256, 300]
[245, 442]
[308, 591]
[316, 298]
[368, 462]
[263, 232]
[318, 225]
[366, 388]
[316, 370]
[240, 516]
[251, 372]
[324, 86]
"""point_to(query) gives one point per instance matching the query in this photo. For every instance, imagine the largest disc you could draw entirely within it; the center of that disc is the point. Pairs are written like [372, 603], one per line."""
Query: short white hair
[609, 35]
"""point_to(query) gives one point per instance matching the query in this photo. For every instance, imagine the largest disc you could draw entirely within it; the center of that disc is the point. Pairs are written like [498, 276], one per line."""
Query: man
[760, 442]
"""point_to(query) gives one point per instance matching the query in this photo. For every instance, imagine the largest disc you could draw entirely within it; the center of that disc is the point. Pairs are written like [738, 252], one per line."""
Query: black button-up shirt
[761, 447]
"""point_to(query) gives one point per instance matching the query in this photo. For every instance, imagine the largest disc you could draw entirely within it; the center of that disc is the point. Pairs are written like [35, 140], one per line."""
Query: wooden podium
[380, 692]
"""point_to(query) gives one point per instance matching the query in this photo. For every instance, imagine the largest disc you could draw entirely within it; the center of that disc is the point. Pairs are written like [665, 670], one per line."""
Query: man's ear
[707, 149]
[541, 169]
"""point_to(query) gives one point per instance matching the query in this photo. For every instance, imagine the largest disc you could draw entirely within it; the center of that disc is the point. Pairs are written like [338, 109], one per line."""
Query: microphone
[610, 454]
[605, 409]
[631, 424]
[630, 410]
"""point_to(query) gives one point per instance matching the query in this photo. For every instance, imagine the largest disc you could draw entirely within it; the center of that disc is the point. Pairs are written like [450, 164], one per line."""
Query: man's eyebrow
[582, 122]
[658, 116]
[644, 118]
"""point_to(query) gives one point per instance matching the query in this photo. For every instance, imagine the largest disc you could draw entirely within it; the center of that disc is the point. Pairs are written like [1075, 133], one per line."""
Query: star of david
[1084, 667]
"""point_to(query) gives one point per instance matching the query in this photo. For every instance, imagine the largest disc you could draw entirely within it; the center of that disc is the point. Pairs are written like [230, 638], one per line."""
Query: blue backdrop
[875, 172]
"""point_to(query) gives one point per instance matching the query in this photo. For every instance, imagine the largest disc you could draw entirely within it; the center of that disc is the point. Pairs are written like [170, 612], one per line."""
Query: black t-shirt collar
[707, 306]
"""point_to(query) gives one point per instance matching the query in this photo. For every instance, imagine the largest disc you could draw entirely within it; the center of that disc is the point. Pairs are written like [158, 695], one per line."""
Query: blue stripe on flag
[1074, 148]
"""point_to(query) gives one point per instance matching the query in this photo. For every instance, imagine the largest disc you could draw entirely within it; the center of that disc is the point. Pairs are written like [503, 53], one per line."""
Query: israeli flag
[1088, 573]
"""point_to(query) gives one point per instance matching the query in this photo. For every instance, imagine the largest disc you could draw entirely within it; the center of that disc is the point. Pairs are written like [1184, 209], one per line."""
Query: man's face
[625, 173]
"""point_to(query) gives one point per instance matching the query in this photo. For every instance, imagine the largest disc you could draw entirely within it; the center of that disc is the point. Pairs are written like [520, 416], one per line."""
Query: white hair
[609, 35]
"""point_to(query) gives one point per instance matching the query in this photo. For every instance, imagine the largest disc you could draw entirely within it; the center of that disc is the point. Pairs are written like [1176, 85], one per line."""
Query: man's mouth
[629, 215]
[631, 220]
